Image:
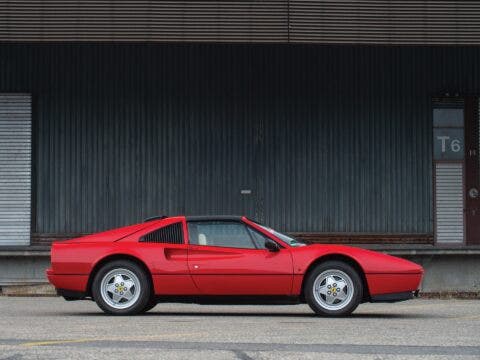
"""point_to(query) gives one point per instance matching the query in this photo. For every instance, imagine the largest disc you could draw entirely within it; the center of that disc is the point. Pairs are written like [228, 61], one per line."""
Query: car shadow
[167, 314]
[289, 315]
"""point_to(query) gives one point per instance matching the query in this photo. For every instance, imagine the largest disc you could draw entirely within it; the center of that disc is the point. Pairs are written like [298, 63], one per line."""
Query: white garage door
[15, 168]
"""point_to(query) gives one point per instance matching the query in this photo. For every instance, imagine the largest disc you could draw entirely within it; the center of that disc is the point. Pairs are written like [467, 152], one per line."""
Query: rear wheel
[121, 287]
[333, 288]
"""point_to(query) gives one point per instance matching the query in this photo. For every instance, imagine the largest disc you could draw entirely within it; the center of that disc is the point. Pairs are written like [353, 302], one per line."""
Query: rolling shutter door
[15, 169]
[449, 220]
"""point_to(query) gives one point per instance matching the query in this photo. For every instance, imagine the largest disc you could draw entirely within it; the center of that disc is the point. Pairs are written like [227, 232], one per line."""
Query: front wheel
[333, 288]
[121, 287]
[150, 305]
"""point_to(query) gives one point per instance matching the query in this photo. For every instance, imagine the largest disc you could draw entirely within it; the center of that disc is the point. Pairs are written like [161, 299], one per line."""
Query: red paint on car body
[185, 269]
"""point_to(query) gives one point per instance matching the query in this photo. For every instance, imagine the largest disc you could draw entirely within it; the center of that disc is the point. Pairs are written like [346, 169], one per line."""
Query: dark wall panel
[327, 138]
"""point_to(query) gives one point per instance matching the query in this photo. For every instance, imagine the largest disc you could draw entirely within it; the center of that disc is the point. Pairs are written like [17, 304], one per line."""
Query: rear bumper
[394, 297]
[70, 282]
[71, 295]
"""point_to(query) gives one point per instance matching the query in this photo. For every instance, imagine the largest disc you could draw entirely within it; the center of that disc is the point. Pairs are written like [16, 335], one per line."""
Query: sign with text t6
[448, 143]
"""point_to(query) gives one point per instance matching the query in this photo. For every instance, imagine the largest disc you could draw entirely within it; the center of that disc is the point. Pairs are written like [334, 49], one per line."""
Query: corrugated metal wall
[385, 22]
[252, 21]
[327, 138]
[100, 20]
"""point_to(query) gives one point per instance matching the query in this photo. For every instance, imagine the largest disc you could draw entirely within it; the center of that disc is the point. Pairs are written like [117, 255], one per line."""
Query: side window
[258, 238]
[220, 233]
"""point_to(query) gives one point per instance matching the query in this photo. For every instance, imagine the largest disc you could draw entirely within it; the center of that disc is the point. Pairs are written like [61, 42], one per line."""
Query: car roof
[214, 218]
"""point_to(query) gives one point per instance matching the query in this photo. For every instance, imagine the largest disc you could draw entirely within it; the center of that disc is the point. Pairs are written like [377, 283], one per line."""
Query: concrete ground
[51, 328]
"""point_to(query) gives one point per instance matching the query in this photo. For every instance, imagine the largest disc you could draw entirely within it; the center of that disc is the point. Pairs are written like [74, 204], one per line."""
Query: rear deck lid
[109, 235]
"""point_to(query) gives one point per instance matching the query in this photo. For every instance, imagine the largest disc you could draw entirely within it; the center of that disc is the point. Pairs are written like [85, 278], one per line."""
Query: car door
[228, 258]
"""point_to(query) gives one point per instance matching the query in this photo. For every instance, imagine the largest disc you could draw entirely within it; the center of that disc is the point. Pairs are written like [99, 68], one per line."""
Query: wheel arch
[114, 257]
[338, 257]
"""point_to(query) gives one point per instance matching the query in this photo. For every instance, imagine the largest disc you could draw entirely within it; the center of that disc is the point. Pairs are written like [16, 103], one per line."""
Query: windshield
[285, 238]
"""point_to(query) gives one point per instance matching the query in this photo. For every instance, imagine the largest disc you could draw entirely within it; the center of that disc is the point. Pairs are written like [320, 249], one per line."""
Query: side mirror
[271, 246]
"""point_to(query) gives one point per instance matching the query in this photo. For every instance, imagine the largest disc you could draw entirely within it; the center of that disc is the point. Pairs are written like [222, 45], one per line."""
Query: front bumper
[393, 283]
[394, 297]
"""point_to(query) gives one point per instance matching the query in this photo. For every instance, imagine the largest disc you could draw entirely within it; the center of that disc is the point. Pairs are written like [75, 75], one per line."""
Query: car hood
[370, 261]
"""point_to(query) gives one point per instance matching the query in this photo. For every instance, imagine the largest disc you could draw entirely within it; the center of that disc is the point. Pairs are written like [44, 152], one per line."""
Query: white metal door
[15, 169]
[449, 219]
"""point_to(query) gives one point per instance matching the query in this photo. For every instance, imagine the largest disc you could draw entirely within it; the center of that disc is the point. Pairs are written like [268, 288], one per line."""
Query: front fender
[371, 262]
[383, 273]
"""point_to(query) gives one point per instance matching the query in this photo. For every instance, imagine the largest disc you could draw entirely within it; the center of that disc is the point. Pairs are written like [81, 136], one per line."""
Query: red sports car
[223, 259]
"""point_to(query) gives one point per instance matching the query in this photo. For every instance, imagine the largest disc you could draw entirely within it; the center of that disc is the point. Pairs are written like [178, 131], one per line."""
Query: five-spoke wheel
[333, 288]
[122, 287]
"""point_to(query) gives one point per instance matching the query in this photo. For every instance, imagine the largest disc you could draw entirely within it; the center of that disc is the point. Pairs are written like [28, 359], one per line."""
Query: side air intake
[171, 234]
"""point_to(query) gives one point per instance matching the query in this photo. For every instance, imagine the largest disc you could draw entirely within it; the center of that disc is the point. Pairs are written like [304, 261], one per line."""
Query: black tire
[350, 303]
[143, 298]
[151, 304]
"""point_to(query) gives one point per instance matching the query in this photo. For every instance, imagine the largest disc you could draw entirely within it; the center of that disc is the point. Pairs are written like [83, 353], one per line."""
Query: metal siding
[219, 133]
[385, 22]
[328, 138]
[15, 169]
[348, 152]
[267, 21]
[449, 204]
[166, 21]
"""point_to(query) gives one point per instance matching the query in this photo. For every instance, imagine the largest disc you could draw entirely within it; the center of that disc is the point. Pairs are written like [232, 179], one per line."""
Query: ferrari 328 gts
[223, 260]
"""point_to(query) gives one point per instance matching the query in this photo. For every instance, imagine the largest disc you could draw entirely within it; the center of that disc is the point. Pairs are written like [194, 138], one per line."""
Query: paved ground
[51, 328]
